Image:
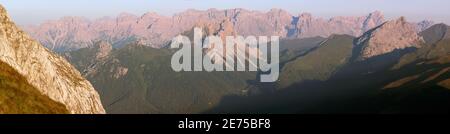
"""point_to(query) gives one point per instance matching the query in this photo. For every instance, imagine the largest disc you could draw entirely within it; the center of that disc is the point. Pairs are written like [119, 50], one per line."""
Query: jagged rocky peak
[49, 73]
[392, 35]
[67, 30]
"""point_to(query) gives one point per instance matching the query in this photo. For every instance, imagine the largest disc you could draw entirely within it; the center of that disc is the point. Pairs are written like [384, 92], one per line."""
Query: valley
[320, 76]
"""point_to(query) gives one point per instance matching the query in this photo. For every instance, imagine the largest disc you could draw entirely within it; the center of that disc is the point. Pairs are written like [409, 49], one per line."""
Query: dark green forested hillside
[320, 63]
[151, 86]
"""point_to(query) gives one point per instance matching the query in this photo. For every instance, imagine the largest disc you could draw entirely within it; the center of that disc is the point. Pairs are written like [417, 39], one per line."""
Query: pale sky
[26, 12]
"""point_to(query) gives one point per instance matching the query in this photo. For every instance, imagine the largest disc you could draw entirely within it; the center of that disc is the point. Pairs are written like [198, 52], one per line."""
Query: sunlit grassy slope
[17, 96]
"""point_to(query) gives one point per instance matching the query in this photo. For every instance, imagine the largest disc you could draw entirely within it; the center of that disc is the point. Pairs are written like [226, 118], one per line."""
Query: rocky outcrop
[51, 74]
[70, 33]
[103, 49]
[392, 35]
[120, 72]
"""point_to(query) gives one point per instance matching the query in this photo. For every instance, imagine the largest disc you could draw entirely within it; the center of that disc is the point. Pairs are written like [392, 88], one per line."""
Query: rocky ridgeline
[69, 33]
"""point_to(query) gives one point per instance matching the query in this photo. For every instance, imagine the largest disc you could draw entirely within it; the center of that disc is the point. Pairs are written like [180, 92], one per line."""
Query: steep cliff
[49, 73]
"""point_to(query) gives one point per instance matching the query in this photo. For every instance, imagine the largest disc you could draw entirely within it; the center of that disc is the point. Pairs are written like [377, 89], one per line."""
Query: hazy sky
[26, 12]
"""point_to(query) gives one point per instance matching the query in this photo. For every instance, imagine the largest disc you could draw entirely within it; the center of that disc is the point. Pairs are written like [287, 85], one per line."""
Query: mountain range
[371, 73]
[151, 29]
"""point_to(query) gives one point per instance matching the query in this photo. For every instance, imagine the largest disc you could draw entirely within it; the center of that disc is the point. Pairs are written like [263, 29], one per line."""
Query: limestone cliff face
[51, 74]
[392, 35]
